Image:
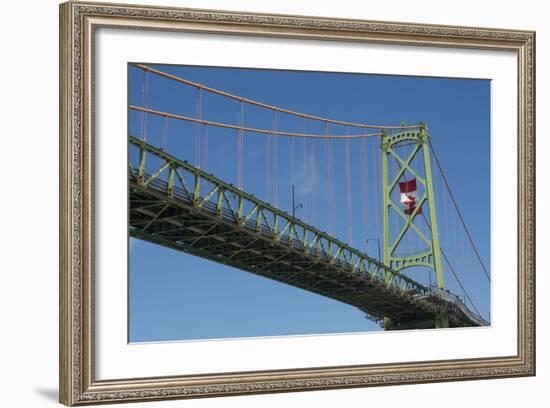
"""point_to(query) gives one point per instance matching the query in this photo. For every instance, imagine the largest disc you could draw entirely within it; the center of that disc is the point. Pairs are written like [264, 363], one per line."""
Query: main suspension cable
[252, 130]
[270, 107]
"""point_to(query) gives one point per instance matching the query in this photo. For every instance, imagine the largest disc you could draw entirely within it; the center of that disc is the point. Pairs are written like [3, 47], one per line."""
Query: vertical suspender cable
[205, 163]
[144, 103]
[458, 212]
[419, 246]
[164, 145]
[457, 242]
[464, 253]
[330, 183]
[267, 172]
[240, 143]
[292, 181]
[349, 193]
[448, 223]
[314, 179]
[419, 225]
[363, 182]
[377, 189]
[275, 162]
[304, 171]
[414, 164]
[204, 138]
[198, 129]
[327, 190]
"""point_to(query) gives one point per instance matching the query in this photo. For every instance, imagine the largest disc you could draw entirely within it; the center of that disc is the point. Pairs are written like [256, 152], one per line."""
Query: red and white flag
[409, 196]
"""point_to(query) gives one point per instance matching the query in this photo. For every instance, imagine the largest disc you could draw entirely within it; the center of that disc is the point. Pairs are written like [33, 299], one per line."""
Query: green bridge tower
[406, 159]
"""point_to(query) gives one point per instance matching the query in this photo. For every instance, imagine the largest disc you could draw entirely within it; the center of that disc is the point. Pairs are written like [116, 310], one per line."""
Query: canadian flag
[409, 196]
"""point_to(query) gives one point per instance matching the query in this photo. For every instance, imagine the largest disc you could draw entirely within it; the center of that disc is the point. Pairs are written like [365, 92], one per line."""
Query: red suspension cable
[240, 143]
[198, 129]
[349, 194]
[330, 185]
[254, 130]
[292, 181]
[304, 172]
[164, 143]
[314, 179]
[205, 137]
[270, 107]
[377, 188]
[363, 180]
[144, 103]
[267, 172]
[275, 163]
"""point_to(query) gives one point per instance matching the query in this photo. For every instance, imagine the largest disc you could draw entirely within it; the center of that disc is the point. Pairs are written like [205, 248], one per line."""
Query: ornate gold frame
[78, 22]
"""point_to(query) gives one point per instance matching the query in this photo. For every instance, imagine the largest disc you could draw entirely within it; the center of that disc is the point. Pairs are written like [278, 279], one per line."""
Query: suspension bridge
[187, 202]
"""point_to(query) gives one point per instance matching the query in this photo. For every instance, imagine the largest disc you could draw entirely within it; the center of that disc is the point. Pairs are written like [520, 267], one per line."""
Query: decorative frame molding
[78, 22]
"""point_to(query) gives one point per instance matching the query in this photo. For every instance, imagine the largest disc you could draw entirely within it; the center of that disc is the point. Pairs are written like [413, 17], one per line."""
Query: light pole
[294, 207]
[377, 244]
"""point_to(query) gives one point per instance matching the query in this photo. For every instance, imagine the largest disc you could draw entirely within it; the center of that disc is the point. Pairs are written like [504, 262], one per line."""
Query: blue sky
[175, 296]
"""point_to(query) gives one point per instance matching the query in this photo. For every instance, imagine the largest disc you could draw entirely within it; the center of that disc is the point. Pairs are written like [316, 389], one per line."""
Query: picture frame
[79, 25]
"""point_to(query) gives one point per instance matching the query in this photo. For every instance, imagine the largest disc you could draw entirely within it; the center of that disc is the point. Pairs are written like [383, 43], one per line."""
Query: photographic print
[278, 202]
[258, 203]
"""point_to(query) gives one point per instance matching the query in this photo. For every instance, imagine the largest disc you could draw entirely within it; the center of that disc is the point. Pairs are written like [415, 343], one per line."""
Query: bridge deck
[176, 223]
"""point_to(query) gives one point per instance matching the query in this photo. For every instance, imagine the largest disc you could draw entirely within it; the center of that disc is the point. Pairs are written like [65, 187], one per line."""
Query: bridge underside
[174, 222]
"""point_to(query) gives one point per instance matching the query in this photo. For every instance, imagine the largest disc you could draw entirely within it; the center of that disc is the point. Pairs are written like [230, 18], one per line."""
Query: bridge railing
[454, 300]
[179, 179]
